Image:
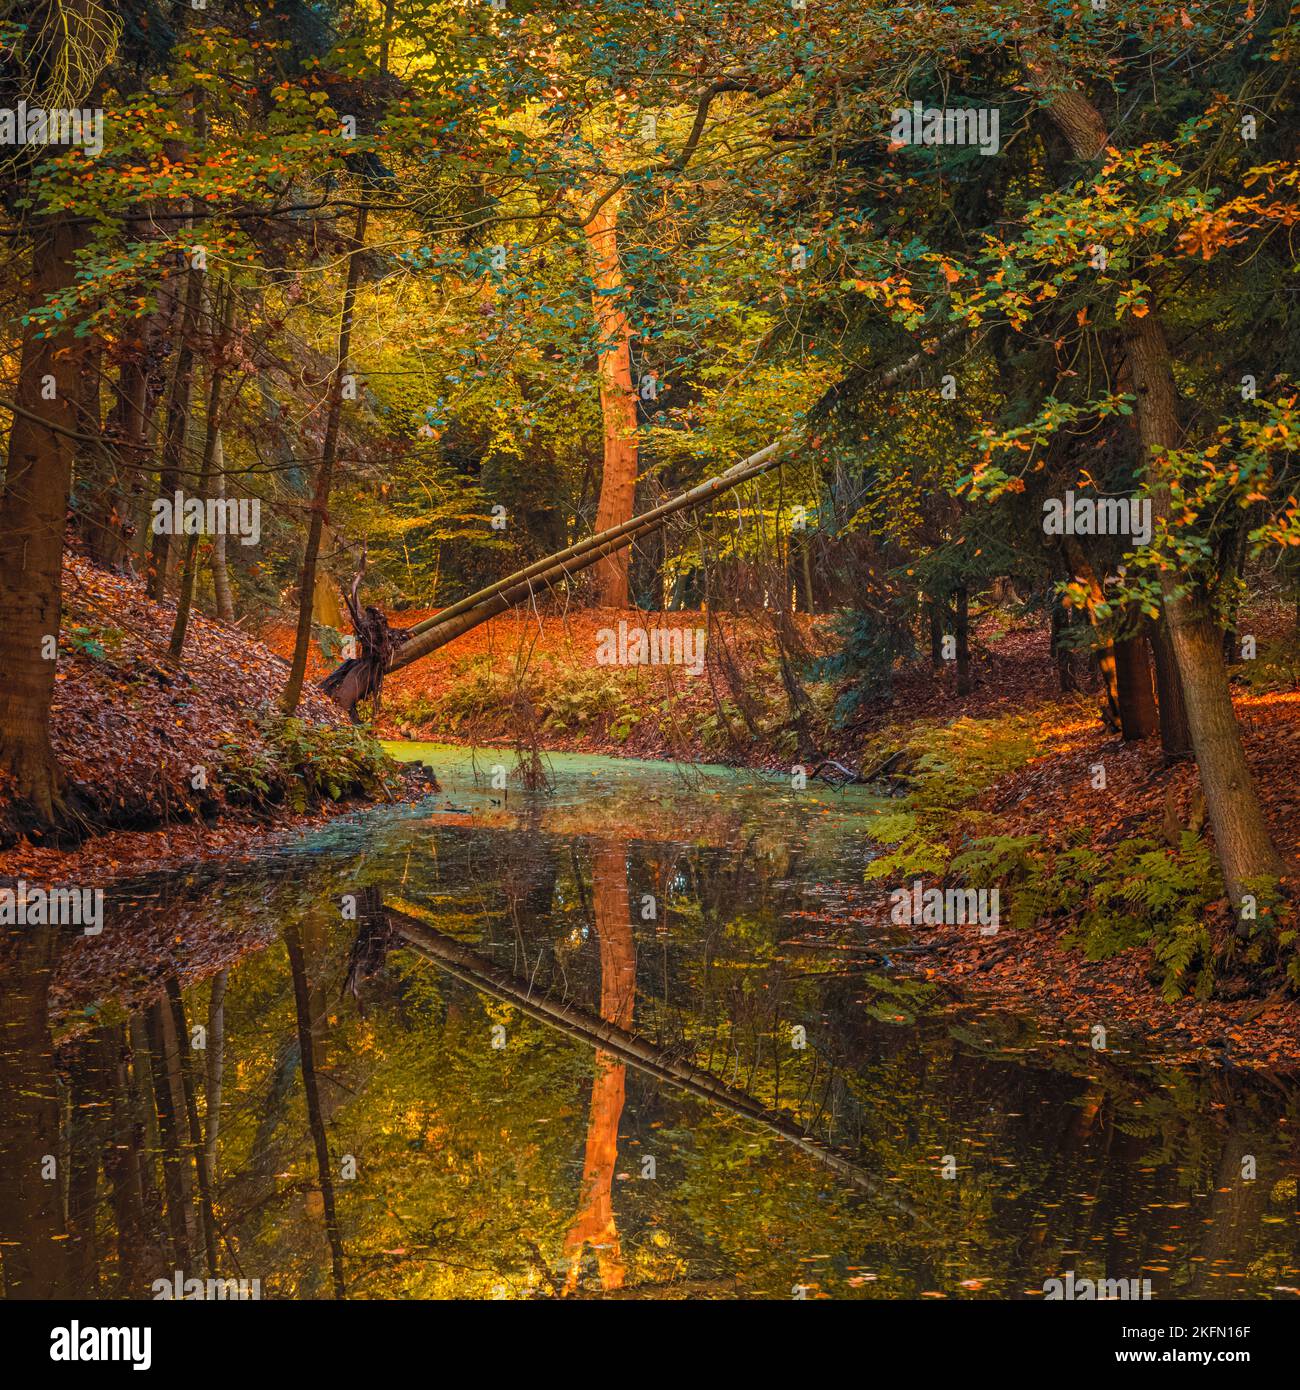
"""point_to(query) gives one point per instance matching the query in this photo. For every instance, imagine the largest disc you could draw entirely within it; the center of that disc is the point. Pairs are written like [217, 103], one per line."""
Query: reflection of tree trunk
[302, 1006]
[617, 396]
[35, 1251]
[185, 1067]
[465, 964]
[1236, 1206]
[139, 1250]
[214, 1061]
[594, 1223]
[89, 1133]
[170, 1104]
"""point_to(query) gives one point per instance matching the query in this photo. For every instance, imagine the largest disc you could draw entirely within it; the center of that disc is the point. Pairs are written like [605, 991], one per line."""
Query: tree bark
[33, 514]
[176, 424]
[220, 568]
[962, 597]
[617, 396]
[1135, 694]
[212, 426]
[1175, 736]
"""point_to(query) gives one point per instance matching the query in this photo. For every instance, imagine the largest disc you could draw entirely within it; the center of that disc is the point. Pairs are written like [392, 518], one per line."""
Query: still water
[607, 1037]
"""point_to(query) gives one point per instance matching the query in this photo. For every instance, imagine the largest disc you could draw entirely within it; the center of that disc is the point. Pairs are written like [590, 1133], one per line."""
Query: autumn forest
[650, 651]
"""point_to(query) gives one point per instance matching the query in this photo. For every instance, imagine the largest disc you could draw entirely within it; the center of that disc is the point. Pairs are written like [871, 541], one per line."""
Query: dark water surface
[420, 1105]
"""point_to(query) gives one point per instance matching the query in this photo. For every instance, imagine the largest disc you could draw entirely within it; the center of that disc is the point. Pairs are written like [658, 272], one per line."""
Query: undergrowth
[1114, 897]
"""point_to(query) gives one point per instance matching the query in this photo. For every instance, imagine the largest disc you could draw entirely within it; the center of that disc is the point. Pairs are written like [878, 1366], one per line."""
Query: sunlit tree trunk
[617, 395]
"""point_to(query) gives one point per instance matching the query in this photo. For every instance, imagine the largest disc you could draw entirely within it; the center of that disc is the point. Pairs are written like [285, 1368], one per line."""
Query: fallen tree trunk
[468, 613]
[362, 677]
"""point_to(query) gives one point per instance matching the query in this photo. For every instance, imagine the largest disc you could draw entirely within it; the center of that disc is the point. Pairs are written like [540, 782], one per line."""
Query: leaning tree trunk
[617, 396]
[325, 473]
[1251, 865]
[33, 511]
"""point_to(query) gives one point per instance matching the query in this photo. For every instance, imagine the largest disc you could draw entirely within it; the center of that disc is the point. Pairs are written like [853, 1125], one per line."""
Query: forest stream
[368, 1063]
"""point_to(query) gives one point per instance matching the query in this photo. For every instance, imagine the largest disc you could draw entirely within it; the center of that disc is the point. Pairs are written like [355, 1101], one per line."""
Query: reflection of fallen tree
[476, 970]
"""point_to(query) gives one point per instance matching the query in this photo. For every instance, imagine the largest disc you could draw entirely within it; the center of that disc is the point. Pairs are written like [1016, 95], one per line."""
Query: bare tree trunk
[962, 596]
[189, 567]
[126, 440]
[617, 396]
[1134, 692]
[1175, 736]
[220, 570]
[176, 424]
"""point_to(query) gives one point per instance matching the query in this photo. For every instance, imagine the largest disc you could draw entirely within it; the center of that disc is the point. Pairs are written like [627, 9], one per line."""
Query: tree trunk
[617, 396]
[325, 474]
[33, 513]
[962, 596]
[936, 635]
[189, 567]
[1251, 864]
[1175, 737]
[126, 438]
[1133, 689]
[176, 426]
[220, 569]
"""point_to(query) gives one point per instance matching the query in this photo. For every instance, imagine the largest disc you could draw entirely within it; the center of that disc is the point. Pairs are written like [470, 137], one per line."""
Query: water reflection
[548, 1046]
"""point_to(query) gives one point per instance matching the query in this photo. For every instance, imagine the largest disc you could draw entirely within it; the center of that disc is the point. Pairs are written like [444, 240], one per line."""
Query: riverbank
[152, 746]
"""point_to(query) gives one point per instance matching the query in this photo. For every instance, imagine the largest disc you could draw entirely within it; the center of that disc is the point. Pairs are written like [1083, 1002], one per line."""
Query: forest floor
[134, 732]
